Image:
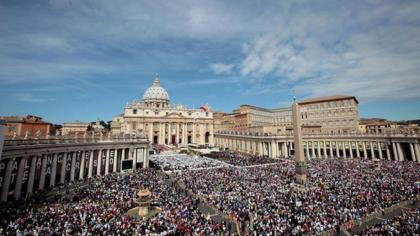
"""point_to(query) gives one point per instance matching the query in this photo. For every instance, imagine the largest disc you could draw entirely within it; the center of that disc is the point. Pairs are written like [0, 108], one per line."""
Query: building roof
[255, 107]
[327, 98]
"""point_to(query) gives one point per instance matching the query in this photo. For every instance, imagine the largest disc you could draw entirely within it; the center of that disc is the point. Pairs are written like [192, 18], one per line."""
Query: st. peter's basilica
[165, 123]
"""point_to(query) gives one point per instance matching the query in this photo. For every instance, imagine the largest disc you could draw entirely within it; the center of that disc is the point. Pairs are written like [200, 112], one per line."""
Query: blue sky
[83, 59]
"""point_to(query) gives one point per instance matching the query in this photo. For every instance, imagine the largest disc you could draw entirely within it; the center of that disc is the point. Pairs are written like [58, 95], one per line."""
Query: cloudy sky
[82, 59]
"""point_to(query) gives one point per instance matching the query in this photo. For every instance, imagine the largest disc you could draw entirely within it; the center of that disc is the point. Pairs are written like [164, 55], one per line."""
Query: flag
[203, 108]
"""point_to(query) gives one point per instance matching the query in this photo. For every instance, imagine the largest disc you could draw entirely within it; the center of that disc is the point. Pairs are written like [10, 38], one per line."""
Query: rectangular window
[134, 111]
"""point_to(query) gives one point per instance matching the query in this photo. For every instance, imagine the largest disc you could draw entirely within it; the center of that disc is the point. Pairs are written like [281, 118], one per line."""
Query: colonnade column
[107, 161]
[43, 169]
[82, 165]
[351, 149]
[413, 153]
[394, 149]
[90, 170]
[6, 181]
[379, 150]
[63, 167]
[73, 166]
[54, 170]
[98, 168]
[364, 150]
[400, 153]
[388, 154]
[19, 179]
[417, 149]
[372, 150]
[115, 161]
[32, 175]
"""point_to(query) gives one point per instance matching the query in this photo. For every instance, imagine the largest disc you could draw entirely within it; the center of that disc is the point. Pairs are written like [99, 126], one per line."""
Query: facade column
[193, 132]
[31, 175]
[395, 152]
[379, 150]
[331, 150]
[337, 149]
[107, 161]
[7, 178]
[344, 149]
[82, 164]
[351, 149]
[286, 154]
[73, 166]
[400, 152]
[319, 149]
[364, 150]
[177, 133]
[53, 170]
[161, 133]
[114, 164]
[325, 149]
[307, 150]
[413, 154]
[63, 168]
[313, 149]
[261, 152]
[357, 149]
[19, 179]
[151, 133]
[274, 146]
[43, 169]
[90, 170]
[388, 154]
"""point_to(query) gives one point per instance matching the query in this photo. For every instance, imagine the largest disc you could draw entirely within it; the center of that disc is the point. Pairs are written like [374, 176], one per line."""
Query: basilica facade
[163, 122]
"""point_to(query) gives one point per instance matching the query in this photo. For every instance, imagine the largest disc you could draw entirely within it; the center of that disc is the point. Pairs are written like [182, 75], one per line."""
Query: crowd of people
[261, 199]
[266, 201]
[171, 161]
[406, 224]
[240, 159]
[101, 209]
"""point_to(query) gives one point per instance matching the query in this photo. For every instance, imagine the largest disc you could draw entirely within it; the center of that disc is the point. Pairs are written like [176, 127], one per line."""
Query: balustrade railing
[354, 135]
[72, 139]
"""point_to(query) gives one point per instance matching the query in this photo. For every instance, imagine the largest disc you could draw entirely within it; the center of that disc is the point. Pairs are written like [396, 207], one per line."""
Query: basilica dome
[155, 92]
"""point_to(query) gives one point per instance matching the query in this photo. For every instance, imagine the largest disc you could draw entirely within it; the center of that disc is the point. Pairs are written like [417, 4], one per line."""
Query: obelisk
[300, 164]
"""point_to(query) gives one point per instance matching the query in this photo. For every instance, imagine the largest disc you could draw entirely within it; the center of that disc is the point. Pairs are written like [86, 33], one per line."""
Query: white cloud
[29, 97]
[220, 68]
[374, 55]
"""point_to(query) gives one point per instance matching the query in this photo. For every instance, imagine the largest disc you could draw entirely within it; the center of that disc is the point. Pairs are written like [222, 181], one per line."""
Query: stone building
[165, 123]
[30, 126]
[327, 115]
[75, 127]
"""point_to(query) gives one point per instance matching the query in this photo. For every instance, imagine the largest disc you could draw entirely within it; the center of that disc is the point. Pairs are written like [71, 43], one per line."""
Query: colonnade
[24, 174]
[276, 147]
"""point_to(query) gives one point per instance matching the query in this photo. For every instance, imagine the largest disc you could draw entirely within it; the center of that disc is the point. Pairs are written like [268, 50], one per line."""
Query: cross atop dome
[156, 82]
